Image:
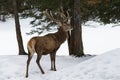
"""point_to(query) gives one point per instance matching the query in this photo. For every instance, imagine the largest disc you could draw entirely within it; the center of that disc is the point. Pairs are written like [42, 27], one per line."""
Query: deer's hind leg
[39, 55]
[28, 62]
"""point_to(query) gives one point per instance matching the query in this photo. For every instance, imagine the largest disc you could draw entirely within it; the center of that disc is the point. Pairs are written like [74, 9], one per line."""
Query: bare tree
[75, 38]
[18, 31]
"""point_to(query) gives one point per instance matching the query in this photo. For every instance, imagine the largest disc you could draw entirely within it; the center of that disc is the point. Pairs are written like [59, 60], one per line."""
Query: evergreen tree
[108, 11]
[75, 37]
[81, 11]
[105, 11]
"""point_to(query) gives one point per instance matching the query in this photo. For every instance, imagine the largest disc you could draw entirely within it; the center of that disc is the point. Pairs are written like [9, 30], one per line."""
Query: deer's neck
[61, 35]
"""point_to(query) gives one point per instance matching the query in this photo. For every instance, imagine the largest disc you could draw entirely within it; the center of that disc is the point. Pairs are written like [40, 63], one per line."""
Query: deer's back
[47, 43]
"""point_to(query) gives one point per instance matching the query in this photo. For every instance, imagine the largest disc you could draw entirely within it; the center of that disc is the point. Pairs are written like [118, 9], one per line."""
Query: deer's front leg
[52, 57]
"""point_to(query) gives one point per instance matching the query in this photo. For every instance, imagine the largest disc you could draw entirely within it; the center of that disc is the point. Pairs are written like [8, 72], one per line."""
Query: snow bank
[102, 67]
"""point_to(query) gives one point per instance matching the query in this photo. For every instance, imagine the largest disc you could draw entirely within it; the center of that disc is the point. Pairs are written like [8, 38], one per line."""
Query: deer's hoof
[53, 69]
[26, 76]
[43, 72]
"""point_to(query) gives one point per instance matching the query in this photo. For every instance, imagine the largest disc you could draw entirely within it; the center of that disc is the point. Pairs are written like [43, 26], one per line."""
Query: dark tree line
[105, 11]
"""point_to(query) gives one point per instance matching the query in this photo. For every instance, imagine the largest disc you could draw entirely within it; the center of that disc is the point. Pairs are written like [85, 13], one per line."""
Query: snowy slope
[102, 67]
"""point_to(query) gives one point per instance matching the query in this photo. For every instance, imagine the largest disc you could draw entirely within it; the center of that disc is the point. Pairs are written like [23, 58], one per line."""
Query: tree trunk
[18, 31]
[3, 18]
[75, 38]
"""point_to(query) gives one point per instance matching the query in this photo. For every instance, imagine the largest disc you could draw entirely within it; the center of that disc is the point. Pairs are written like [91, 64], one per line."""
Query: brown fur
[43, 45]
[50, 43]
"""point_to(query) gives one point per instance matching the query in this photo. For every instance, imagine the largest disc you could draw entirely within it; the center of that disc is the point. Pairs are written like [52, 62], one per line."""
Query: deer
[50, 43]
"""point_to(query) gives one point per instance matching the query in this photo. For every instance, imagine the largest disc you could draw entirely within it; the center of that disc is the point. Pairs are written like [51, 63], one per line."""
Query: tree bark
[18, 31]
[3, 18]
[75, 38]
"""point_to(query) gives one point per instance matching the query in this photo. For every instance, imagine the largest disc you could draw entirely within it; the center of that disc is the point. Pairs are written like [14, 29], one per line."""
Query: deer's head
[63, 21]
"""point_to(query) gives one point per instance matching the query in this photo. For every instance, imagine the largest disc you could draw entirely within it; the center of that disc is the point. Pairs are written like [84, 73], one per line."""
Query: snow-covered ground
[101, 67]
[97, 38]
